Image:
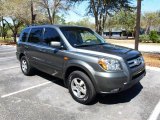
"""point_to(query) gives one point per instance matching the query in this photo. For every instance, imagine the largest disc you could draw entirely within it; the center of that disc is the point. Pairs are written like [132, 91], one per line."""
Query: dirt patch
[8, 43]
[152, 59]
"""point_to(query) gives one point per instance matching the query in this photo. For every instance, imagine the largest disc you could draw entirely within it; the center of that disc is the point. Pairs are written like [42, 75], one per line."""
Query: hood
[124, 52]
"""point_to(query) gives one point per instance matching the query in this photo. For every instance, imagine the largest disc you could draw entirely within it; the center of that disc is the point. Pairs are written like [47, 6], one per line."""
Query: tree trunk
[138, 24]
[53, 16]
[110, 34]
[147, 31]
[127, 34]
[49, 15]
[15, 37]
[3, 29]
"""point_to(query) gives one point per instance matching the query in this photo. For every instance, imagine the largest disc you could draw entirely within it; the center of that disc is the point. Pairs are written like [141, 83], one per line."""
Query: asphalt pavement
[43, 97]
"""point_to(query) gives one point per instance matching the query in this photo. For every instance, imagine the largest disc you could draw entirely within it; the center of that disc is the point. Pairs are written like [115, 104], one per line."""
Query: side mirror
[55, 44]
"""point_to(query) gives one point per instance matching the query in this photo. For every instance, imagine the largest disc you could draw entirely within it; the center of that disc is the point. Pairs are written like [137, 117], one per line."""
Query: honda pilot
[86, 63]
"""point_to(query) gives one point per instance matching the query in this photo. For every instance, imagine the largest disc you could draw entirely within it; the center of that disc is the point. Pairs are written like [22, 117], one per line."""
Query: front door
[53, 57]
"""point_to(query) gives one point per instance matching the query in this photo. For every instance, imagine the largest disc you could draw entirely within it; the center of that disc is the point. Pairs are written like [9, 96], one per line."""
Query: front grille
[135, 62]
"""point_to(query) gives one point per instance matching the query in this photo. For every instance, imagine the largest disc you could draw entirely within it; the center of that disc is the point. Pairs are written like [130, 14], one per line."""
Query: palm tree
[138, 24]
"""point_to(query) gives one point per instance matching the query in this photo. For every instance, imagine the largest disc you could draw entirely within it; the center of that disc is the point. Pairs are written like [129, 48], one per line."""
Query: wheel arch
[21, 55]
[80, 66]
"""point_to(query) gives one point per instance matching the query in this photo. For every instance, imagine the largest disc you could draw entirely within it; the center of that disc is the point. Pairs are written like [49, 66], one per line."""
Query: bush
[144, 38]
[158, 41]
[154, 37]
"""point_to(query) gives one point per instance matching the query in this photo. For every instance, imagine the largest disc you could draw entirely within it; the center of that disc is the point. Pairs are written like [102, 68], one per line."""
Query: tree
[138, 24]
[52, 7]
[101, 9]
[111, 22]
[1, 19]
[126, 20]
[13, 10]
[150, 19]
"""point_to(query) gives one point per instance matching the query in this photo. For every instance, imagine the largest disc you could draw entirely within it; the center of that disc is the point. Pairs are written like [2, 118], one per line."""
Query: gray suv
[83, 59]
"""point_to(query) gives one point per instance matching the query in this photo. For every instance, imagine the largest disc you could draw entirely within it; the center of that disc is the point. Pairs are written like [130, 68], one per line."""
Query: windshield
[79, 37]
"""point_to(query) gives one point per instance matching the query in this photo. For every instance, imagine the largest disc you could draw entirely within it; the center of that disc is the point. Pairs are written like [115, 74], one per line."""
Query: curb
[153, 68]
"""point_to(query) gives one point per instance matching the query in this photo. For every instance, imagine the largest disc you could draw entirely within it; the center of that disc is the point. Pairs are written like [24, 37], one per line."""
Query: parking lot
[43, 97]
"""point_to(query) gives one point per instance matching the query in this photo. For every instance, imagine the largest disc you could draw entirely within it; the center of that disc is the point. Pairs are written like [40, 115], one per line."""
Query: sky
[79, 11]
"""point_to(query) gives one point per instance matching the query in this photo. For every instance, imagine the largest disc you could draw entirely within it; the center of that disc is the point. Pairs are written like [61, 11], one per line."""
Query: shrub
[144, 38]
[154, 37]
[158, 40]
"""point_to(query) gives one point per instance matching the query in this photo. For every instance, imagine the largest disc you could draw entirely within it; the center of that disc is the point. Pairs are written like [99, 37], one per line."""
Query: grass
[7, 41]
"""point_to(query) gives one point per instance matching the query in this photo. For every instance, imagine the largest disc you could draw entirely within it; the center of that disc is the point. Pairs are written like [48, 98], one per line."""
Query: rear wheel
[25, 66]
[81, 87]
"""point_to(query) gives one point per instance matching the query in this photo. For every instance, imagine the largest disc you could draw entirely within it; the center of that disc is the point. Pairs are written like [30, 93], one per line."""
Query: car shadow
[50, 78]
[121, 97]
[115, 98]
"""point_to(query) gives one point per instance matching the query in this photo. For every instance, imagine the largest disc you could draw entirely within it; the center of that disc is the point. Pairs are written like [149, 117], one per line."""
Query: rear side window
[36, 35]
[50, 35]
[24, 35]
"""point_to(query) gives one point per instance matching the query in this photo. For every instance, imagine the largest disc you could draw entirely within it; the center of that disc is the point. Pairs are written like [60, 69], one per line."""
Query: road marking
[9, 68]
[7, 58]
[155, 113]
[7, 49]
[7, 52]
[20, 91]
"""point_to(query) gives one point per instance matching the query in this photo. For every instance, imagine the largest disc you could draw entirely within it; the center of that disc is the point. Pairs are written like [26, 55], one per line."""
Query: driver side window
[50, 35]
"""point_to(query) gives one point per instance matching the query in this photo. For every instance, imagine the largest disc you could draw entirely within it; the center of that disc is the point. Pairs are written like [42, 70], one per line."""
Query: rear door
[33, 47]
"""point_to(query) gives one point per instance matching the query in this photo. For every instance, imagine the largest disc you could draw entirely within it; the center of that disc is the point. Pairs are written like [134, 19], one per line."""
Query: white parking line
[7, 49]
[13, 93]
[7, 58]
[155, 113]
[7, 52]
[9, 68]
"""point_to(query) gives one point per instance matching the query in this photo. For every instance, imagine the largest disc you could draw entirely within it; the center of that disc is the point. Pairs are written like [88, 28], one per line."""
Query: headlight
[110, 64]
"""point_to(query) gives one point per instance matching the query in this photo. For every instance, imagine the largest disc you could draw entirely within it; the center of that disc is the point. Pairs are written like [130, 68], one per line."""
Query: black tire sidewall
[89, 86]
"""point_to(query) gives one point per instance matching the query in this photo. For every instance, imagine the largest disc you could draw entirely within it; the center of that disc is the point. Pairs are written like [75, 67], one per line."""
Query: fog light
[115, 90]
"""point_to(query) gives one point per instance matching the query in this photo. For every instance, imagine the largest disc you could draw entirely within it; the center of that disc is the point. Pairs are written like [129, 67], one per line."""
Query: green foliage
[144, 38]
[154, 36]
[150, 19]
[84, 22]
[126, 19]
[7, 40]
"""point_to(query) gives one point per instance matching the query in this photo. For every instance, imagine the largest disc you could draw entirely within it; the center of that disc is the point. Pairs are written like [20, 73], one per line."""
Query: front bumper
[115, 82]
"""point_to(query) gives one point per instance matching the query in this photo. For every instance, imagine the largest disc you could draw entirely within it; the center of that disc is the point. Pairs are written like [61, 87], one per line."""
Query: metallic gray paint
[50, 60]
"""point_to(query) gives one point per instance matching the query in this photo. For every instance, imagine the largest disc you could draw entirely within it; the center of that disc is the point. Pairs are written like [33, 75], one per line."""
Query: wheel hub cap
[24, 66]
[78, 88]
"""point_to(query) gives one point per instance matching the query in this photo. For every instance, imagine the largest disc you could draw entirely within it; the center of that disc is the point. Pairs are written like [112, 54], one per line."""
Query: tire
[81, 87]
[25, 66]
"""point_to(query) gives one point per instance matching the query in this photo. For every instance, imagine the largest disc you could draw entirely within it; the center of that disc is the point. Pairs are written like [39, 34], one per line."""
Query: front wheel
[81, 87]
